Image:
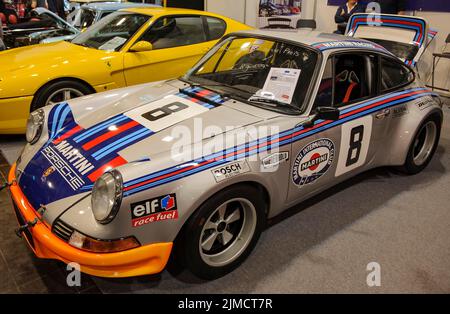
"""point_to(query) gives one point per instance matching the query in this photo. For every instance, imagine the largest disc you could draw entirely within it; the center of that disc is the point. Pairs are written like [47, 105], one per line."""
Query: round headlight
[107, 196]
[34, 126]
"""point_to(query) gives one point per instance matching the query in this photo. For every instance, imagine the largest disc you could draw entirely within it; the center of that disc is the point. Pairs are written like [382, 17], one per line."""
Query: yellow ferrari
[128, 47]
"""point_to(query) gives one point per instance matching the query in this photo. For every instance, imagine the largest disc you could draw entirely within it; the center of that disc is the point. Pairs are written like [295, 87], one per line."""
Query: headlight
[107, 196]
[34, 126]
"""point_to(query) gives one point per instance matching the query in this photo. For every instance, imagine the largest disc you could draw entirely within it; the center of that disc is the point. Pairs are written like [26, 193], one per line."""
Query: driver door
[177, 42]
[332, 151]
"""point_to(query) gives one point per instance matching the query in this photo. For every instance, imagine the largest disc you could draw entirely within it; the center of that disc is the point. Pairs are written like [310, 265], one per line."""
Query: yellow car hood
[24, 70]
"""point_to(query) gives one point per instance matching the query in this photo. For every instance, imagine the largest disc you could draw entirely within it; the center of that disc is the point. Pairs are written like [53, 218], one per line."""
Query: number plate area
[355, 141]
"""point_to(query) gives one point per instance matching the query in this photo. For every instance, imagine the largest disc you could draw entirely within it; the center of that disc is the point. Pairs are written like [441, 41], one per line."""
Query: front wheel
[58, 92]
[222, 232]
[423, 146]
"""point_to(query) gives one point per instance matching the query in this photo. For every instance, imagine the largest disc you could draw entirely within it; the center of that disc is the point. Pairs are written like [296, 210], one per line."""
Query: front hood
[81, 146]
[33, 57]
[39, 63]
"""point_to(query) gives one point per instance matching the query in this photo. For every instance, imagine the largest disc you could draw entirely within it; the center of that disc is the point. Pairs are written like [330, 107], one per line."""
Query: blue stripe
[54, 119]
[120, 143]
[99, 128]
[63, 117]
[267, 147]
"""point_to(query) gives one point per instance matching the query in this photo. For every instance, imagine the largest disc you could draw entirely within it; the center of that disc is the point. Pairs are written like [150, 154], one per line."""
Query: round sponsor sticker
[313, 161]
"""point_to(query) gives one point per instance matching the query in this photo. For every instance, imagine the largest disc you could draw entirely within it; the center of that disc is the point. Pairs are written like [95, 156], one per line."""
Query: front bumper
[144, 260]
[14, 113]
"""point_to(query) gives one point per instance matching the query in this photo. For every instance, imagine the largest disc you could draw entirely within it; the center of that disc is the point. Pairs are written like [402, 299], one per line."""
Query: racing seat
[348, 84]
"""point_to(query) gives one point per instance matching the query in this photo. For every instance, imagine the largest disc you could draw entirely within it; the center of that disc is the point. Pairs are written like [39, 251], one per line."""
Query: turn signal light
[86, 243]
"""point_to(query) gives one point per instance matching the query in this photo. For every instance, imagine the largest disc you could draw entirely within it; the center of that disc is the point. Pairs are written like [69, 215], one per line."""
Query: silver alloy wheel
[227, 232]
[63, 94]
[424, 143]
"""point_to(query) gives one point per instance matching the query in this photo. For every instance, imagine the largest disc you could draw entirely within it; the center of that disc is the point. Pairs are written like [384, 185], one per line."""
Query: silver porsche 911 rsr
[194, 167]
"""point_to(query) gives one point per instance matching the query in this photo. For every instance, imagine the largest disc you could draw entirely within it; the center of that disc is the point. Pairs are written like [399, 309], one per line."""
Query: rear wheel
[222, 232]
[59, 92]
[423, 146]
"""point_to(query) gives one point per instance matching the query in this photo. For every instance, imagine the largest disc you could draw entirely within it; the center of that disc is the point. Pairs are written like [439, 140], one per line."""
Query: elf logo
[155, 209]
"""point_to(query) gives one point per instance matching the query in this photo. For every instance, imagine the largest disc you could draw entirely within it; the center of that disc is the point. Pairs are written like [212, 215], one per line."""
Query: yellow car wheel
[59, 91]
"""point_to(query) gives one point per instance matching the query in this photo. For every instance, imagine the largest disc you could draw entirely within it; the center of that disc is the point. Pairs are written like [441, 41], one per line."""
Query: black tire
[411, 167]
[41, 97]
[187, 246]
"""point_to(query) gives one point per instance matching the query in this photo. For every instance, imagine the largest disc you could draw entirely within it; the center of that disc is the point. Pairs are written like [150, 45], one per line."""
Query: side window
[217, 27]
[175, 31]
[325, 93]
[347, 78]
[394, 74]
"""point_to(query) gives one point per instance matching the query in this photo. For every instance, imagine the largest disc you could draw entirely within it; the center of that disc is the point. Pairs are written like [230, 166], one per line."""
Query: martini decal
[313, 161]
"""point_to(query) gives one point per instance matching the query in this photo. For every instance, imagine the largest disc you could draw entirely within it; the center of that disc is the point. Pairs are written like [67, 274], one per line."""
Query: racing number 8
[355, 142]
[354, 150]
[164, 111]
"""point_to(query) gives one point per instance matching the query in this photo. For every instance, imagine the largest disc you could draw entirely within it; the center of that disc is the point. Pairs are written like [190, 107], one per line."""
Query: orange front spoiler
[144, 260]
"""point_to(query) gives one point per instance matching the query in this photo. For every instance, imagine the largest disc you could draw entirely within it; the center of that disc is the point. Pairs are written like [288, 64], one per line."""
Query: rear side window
[217, 27]
[171, 32]
[394, 75]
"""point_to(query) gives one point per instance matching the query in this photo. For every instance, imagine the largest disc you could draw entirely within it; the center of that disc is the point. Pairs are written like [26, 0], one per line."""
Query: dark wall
[187, 4]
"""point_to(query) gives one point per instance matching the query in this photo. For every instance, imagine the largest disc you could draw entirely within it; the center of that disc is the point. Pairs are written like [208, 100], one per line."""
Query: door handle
[382, 114]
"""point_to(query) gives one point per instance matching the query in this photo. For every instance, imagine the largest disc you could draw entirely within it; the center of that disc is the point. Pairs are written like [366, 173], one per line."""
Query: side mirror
[141, 46]
[323, 113]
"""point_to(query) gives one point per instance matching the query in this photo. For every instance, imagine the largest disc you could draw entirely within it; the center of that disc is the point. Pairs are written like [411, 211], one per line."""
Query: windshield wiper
[275, 102]
[195, 84]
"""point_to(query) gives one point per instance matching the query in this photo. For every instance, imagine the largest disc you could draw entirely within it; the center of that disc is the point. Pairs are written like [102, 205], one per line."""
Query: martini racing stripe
[127, 140]
[100, 127]
[202, 93]
[100, 139]
[58, 117]
[259, 146]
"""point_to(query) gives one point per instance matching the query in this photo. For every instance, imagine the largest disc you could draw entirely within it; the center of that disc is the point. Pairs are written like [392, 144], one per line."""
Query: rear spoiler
[405, 36]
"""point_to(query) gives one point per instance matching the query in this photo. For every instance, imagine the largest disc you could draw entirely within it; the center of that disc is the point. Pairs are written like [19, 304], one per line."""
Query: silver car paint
[390, 140]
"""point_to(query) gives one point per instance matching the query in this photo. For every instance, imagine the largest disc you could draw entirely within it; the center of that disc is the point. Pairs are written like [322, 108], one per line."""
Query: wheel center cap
[221, 226]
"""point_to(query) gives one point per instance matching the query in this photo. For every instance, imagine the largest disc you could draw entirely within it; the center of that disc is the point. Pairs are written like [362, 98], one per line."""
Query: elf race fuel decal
[313, 161]
[154, 209]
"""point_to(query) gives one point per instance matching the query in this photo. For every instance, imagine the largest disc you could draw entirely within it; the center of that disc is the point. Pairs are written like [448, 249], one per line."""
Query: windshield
[267, 73]
[112, 32]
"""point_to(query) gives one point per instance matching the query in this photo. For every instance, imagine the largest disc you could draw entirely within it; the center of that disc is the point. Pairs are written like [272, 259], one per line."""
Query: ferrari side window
[172, 32]
[216, 27]
[394, 75]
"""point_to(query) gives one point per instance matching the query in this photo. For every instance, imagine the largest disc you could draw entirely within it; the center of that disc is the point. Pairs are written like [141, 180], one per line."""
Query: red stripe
[108, 135]
[204, 92]
[116, 162]
[269, 142]
[68, 134]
